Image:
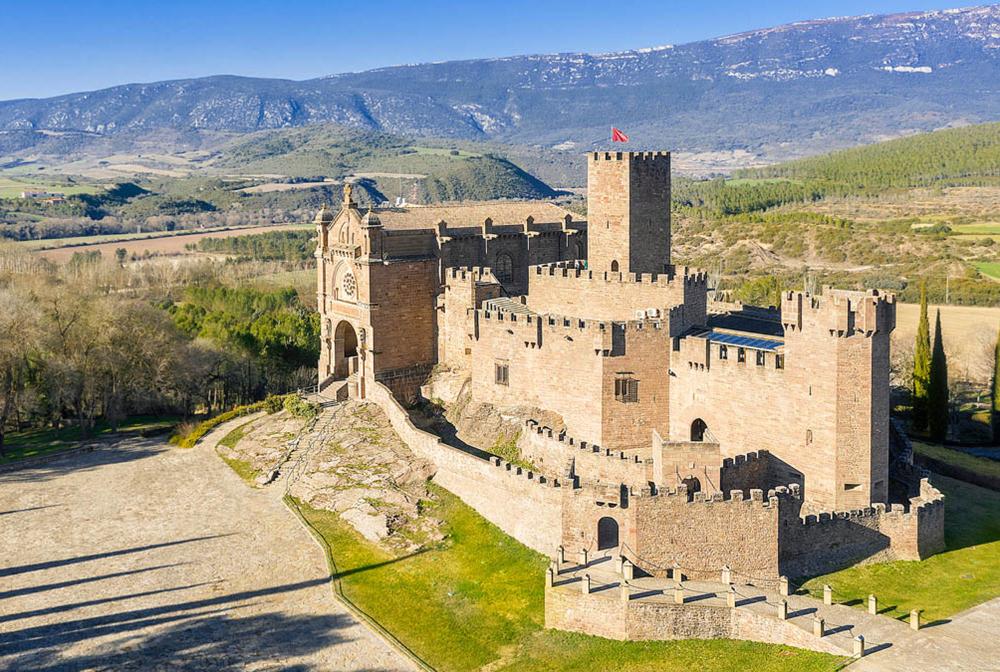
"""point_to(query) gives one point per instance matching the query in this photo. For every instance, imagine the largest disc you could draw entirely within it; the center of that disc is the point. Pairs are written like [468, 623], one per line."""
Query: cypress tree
[921, 365]
[995, 406]
[937, 390]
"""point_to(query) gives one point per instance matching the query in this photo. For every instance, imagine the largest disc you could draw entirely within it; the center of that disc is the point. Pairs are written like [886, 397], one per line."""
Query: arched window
[614, 266]
[693, 484]
[505, 268]
[698, 429]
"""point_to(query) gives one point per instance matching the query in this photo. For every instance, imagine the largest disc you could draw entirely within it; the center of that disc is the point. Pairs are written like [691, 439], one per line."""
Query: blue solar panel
[744, 341]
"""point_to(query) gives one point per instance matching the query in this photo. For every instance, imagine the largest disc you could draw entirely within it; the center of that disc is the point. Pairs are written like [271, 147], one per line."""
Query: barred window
[627, 390]
[723, 352]
[502, 373]
[760, 358]
[741, 355]
[779, 361]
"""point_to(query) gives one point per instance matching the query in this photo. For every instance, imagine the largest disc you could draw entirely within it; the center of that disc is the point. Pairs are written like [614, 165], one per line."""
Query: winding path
[139, 556]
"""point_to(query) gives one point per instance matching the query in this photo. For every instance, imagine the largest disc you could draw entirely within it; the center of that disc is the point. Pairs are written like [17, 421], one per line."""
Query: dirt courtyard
[140, 556]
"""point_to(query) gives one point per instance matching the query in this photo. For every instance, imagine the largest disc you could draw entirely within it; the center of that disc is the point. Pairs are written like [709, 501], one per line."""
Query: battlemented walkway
[968, 641]
[138, 556]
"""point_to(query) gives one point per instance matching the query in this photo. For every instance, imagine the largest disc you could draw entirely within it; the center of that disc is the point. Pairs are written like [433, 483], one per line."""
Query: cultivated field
[173, 242]
[970, 333]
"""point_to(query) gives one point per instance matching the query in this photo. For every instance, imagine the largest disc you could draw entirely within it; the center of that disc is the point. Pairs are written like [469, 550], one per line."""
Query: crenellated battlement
[563, 323]
[630, 156]
[571, 270]
[745, 459]
[842, 313]
[515, 471]
[473, 274]
[532, 426]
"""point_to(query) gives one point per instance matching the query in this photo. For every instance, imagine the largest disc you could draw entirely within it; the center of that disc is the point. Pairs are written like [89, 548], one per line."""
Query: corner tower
[628, 211]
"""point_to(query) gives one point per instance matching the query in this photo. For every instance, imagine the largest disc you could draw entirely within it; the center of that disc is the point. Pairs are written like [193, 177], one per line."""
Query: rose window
[350, 286]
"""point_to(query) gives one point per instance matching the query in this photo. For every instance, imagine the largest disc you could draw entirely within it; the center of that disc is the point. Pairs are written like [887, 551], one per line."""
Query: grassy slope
[243, 469]
[478, 599]
[35, 442]
[966, 574]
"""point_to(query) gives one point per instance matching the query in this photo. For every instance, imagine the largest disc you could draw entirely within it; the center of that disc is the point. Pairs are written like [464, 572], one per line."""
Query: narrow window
[741, 355]
[851, 486]
[809, 436]
[614, 266]
[779, 361]
[504, 268]
[723, 352]
[627, 390]
[760, 358]
[502, 373]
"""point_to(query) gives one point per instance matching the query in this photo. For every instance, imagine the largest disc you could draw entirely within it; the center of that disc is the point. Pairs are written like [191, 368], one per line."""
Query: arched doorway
[698, 429]
[607, 533]
[345, 350]
[504, 268]
[693, 484]
[614, 266]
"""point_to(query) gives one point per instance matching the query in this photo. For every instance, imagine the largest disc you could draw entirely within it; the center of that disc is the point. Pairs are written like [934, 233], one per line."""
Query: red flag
[618, 136]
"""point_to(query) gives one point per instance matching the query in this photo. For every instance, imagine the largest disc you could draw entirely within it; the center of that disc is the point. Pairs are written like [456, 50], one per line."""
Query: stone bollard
[678, 594]
[859, 646]
[827, 595]
[731, 597]
[583, 557]
[585, 584]
[628, 570]
[819, 626]
[915, 619]
[561, 555]
[675, 573]
[783, 610]
[625, 592]
[549, 577]
[783, 586]
[727, 574]
[872, 605]
[619, 564]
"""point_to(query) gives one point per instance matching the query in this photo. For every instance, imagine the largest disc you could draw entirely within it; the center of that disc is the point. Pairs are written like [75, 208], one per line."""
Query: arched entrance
[693, 484]
[345, 350]
[698, 429]
[607, 533]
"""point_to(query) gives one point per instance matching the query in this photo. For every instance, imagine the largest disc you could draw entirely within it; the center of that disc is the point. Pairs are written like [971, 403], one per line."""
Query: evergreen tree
[995, 406]
[937, 397]
[921, 365]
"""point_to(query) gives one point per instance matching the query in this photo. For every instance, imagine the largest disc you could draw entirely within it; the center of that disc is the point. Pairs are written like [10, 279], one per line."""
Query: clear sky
[48, 48]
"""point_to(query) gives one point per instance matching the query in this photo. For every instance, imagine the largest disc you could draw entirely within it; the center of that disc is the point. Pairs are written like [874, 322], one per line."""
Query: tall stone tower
[628, 211]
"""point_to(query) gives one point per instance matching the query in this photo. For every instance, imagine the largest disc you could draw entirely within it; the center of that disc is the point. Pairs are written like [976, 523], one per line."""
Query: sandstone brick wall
[554, 453]
[759, 470]
[704, 534]
[677, 461]
[602, 295]
[594, 614]
[628, 211]
[464, 290]
[524, 505]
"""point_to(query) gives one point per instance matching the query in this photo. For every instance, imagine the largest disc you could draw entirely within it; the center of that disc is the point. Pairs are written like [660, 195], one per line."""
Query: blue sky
[48, 48]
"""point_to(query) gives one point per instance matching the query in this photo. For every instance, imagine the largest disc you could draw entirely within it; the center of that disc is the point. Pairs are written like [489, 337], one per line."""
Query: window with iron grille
[723, 352]
[502, 373]
[627, 390]
[741, 355]
[779, 361]
[760, 358]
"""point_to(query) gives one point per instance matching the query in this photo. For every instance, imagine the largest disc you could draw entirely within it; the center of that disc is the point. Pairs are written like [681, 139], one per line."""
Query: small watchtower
[628, 212]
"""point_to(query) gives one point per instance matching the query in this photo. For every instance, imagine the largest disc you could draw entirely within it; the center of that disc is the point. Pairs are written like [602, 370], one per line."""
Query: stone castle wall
[524, 505]
[558, 454]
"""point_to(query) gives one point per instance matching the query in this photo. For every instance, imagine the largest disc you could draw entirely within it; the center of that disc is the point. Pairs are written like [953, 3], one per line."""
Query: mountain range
[776, 93]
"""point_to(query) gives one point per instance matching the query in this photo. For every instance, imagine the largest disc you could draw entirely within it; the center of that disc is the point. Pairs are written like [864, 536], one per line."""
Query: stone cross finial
[348, 193]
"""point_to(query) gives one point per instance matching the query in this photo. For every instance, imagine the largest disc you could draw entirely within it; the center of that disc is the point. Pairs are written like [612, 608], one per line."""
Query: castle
[696, 434]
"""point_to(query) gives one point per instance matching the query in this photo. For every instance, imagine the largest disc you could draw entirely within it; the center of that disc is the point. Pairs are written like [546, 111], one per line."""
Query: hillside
[786, 91]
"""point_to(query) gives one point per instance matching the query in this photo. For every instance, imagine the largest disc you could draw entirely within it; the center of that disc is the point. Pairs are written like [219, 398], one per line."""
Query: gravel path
[139, 556]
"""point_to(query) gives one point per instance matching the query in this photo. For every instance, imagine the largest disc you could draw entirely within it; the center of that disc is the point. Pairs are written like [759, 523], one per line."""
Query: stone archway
[345, 350]
[607, 533]
[698, 430]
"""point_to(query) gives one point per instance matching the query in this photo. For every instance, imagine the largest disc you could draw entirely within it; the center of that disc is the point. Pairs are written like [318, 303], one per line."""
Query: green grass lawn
[243, 469]
[990, 268]
[12, 188]
[477, 599]
[34, 442]
[966, 574]
[979, 465]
